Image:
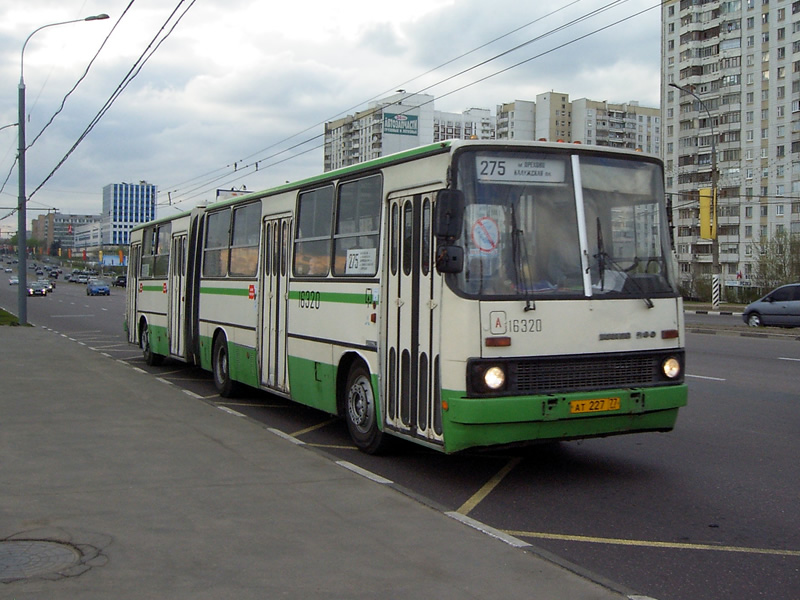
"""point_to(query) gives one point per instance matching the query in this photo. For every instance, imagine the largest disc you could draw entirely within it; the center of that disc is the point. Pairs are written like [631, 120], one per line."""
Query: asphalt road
[707, 511]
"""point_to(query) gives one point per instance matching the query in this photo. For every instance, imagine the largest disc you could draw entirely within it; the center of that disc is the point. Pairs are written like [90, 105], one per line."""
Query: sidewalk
[117, 485]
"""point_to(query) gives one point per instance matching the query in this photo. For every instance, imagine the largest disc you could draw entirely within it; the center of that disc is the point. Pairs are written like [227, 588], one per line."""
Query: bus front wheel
[361, 411]
[150, 358]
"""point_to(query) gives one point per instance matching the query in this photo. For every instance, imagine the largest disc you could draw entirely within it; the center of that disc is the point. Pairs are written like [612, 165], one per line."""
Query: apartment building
[398, 122]
[598, 122]
[57, 230]
[731, 119]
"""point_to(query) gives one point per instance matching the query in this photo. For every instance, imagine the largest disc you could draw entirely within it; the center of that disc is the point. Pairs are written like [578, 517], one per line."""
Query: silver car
[781, 307]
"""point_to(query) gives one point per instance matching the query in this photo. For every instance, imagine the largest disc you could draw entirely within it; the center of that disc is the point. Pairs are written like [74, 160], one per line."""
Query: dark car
[781, 307]
[120, 281]
[37, 288]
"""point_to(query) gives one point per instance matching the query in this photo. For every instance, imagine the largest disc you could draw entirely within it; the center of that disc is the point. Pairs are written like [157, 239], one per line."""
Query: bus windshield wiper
[518, 249]
[604, 259]
[601, 255]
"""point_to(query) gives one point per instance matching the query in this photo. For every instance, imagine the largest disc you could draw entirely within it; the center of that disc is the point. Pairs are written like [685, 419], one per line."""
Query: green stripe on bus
[333, 297]
[225, 291]
[152, 288]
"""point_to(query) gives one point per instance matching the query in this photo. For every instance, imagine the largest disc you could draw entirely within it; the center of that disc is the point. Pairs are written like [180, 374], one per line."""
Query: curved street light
[715, 293]
[22, 250]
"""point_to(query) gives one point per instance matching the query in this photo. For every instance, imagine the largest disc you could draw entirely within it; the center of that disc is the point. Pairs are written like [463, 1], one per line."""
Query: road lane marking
[363, 472]
[708, 378]
[314, 427]
[286, 436]
[789, 359]
[478, 496]
[648, 544]
[230, 411]
[499, 534]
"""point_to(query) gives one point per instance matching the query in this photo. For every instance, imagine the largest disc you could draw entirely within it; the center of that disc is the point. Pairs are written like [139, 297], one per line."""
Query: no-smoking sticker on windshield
[485, 234]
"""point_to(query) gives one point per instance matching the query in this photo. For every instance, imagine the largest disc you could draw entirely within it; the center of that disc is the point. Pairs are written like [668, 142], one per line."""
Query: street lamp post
[715, 276]
[22, 241]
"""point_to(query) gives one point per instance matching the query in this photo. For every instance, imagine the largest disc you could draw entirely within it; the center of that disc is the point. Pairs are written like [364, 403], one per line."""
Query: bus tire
[221, 367]
[150, 358]
[360, 411]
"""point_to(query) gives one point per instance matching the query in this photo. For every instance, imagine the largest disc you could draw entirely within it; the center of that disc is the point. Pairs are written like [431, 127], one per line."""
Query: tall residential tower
[737, 64]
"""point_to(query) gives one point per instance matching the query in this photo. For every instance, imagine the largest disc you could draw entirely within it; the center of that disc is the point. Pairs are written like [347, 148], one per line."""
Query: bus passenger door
[177, 296]
[274, 289]
[132, 291]
[413, 289]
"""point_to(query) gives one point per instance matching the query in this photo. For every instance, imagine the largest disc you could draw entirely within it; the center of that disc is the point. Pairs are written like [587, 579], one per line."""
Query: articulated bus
[461, 294]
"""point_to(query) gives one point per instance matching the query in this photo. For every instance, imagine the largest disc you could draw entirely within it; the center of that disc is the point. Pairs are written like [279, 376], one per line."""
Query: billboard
[400, 124]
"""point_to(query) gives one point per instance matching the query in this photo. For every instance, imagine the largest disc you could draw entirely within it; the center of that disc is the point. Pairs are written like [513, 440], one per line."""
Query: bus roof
[399, 157]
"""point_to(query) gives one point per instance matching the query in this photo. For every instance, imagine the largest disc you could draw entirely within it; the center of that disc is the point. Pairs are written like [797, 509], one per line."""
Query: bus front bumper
[470, 422]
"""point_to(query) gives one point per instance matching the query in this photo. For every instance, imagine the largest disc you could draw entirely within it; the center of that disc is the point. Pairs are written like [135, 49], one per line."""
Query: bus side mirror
[448, 215]
[449, 259]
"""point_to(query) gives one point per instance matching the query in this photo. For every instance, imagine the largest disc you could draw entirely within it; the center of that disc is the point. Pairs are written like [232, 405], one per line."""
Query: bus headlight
[671, 367]
[494, 378]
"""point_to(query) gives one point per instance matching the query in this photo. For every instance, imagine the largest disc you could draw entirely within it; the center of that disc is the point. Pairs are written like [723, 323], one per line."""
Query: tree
[778, 260]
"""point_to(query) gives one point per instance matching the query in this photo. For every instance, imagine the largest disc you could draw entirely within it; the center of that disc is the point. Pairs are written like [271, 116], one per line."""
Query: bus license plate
[594, 405]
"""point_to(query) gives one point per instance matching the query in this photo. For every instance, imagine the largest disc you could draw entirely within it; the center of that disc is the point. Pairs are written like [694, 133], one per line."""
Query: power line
[83, 76]
[500, 55]
[130, 76]
[376, 96]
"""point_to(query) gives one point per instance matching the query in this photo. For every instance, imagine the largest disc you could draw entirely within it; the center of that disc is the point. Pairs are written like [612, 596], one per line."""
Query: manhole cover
[22, 559]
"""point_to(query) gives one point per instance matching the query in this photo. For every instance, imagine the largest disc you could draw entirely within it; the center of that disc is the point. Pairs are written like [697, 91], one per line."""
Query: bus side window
[358, 214]
[312, 246]
[217, 244]
[148, 251]
[244, 241]
[161, 266]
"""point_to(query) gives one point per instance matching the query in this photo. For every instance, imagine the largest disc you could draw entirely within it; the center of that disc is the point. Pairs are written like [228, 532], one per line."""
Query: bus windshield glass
[562, 225]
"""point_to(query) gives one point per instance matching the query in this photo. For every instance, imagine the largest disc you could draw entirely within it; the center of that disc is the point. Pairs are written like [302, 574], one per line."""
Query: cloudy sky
[228, 83]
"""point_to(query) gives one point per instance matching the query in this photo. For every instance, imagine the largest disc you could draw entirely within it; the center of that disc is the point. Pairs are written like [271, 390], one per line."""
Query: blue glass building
[126, 205]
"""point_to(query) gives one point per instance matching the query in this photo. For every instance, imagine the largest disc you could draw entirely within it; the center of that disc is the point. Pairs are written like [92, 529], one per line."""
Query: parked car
[98, 287]
[37, 288]
[781, 307]
[120, 281]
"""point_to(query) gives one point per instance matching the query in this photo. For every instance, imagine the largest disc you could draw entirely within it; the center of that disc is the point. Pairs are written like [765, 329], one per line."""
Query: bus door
[413, 290]
[132, 290]
[274, 293]
[177, 296]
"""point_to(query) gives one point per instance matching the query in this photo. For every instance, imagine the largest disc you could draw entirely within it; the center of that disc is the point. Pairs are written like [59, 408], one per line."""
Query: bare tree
[778, 260]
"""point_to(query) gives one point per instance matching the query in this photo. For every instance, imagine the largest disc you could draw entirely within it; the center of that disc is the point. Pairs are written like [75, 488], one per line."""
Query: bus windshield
[562, 225]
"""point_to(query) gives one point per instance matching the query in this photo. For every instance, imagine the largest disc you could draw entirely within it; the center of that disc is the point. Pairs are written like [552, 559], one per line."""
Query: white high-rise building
[738, 62]
[392, 124]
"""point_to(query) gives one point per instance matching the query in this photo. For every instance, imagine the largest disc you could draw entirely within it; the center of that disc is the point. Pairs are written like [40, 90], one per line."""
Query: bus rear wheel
[150, 358]
[221, 367]
[361, 413]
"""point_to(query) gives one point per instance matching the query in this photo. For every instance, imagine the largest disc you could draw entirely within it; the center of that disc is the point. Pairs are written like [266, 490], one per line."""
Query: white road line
[704, 377]
[363, 472]
[286, 436]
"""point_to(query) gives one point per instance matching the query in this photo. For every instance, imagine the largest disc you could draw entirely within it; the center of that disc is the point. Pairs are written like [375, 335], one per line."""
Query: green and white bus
[461, 294]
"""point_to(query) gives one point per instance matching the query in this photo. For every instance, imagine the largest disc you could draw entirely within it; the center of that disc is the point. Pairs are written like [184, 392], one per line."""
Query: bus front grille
[557, 374]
